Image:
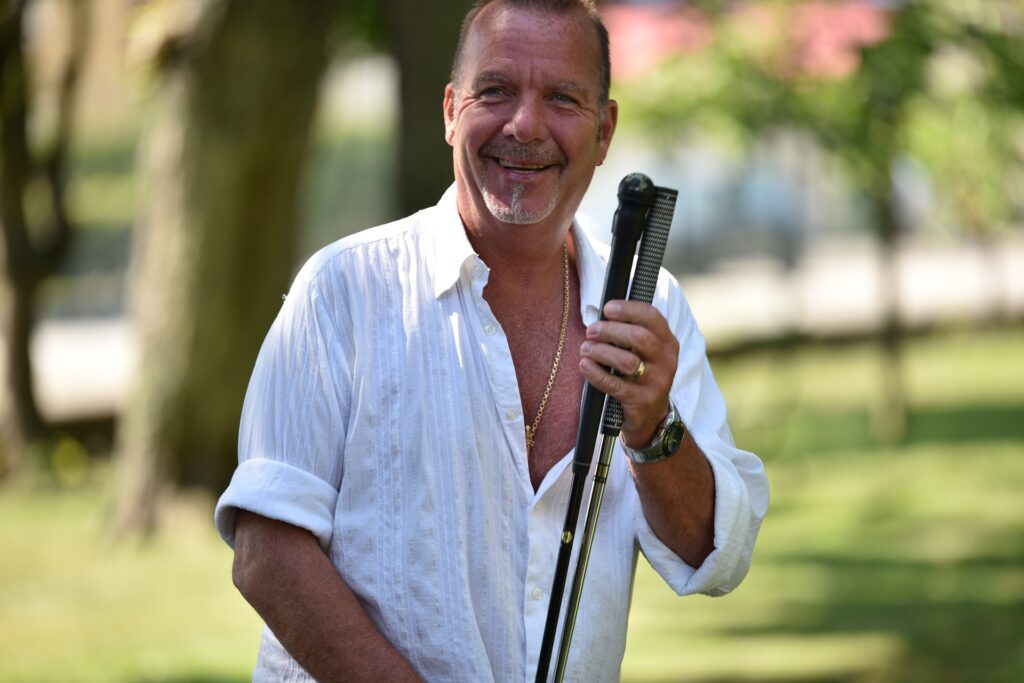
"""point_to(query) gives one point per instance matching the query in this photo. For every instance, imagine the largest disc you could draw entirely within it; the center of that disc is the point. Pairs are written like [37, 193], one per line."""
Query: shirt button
[490, 329]
[511, 414]
[536, 593]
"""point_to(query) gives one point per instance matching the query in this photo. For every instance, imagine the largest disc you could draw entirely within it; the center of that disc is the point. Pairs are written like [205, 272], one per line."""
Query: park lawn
[876, 563]
[897, 565]
[76, 607]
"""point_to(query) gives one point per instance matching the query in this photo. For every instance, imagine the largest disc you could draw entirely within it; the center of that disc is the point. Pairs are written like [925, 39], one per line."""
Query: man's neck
[522, 253]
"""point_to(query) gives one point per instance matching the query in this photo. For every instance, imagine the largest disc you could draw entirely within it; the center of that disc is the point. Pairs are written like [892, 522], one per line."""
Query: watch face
[666, 441]
[673, 437]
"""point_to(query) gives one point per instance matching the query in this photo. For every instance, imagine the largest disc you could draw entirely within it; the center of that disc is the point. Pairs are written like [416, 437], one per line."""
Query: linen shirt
[384, 416]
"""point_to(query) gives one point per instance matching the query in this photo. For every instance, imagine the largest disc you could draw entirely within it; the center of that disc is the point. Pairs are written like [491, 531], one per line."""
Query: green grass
[876, 563]
[75, 607]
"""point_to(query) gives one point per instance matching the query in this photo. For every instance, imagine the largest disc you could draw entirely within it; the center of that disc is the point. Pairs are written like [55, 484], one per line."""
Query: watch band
[665, 443]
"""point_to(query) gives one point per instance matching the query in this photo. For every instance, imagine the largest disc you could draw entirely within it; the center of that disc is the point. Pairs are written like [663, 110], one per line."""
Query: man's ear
[449, 113]
[607, 129]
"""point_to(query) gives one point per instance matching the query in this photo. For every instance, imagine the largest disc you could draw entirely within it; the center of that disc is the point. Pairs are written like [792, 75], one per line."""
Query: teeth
[521, 167]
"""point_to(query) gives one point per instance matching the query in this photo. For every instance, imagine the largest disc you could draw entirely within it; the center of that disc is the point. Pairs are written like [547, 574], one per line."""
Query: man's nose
[527, 122]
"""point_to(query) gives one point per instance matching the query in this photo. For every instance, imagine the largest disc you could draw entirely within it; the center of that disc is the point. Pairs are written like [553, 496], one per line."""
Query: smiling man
[404, 445]
[528, 117]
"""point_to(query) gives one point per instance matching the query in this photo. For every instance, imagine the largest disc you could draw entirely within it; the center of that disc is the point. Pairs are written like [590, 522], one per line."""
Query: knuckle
[645, 341]
[673, 345]
[669, 347]
[652, 339]
[637, 336]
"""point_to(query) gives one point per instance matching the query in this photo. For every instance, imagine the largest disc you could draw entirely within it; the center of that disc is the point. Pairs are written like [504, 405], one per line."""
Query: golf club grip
[636, 197]
[645, 278]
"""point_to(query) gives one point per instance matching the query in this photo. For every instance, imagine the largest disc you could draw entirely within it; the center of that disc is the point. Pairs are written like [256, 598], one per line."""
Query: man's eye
[563, 99]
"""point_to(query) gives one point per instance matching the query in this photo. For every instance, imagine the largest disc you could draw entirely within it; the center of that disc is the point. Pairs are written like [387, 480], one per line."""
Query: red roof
[816, 37]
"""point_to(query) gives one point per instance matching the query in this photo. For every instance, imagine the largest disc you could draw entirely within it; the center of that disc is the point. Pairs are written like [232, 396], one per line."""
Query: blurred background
[849, 235]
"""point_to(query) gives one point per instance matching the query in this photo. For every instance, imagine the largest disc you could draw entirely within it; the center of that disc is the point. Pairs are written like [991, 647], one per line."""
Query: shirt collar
[451, 246]
[591, 263]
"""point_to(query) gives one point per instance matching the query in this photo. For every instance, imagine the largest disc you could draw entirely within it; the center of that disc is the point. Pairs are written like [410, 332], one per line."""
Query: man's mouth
[520, 166]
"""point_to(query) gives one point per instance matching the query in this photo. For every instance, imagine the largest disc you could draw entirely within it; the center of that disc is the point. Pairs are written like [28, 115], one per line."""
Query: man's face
[525, 120]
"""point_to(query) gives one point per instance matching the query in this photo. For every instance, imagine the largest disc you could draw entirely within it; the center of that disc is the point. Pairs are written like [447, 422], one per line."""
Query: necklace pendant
[529, 439]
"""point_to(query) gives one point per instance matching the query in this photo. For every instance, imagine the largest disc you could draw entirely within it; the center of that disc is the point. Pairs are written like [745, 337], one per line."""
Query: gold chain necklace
[531, 429]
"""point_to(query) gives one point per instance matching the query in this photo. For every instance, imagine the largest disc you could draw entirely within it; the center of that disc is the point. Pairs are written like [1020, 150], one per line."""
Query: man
[406, 434]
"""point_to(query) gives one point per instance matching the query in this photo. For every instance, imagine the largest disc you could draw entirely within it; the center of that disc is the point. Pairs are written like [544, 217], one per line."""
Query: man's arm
[678, 493]
[283, 573]
[678, 498]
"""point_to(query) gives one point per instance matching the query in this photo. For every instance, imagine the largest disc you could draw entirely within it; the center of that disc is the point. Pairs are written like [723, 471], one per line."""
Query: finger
[634, 337]
[622, 361]
[613, 385]
[638, 313]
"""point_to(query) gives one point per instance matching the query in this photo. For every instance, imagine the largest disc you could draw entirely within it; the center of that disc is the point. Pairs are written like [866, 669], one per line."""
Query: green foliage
[361, 26]
[897, 101]
[968, 148]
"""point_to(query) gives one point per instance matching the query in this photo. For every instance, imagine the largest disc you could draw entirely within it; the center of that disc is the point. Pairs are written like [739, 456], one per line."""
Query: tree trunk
[30, 251]
[423, 37]
[22, 423]
[890, 419]
[215, 247]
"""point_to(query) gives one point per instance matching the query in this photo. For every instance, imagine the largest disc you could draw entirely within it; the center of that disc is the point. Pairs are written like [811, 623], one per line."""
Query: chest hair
[532, 330]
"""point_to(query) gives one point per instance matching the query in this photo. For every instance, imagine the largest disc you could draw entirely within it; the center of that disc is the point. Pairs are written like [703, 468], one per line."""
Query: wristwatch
[665, 443]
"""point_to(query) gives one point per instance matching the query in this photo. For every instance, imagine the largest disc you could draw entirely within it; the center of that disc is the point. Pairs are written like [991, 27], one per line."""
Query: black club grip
[645, 278]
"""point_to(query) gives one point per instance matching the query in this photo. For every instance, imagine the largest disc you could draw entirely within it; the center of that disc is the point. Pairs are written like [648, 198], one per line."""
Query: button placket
[500, 369]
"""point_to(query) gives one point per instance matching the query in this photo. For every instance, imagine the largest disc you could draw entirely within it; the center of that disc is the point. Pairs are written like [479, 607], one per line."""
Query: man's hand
[633, 332]
[285, 575]
[678, 493]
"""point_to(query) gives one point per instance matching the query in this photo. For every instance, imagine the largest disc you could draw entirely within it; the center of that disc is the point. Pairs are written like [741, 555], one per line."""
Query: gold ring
[639, 372]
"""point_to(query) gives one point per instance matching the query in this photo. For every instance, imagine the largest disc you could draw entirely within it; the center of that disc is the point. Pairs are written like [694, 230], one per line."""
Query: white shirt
[384, 416]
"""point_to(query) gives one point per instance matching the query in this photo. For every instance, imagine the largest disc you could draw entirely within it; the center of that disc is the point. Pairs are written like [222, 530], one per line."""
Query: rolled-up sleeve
[741, 487]
[290, 445]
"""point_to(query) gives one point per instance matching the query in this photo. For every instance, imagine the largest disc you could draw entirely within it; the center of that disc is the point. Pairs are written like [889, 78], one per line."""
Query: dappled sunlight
[79, 608]
[878, 562]
[770, 658]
